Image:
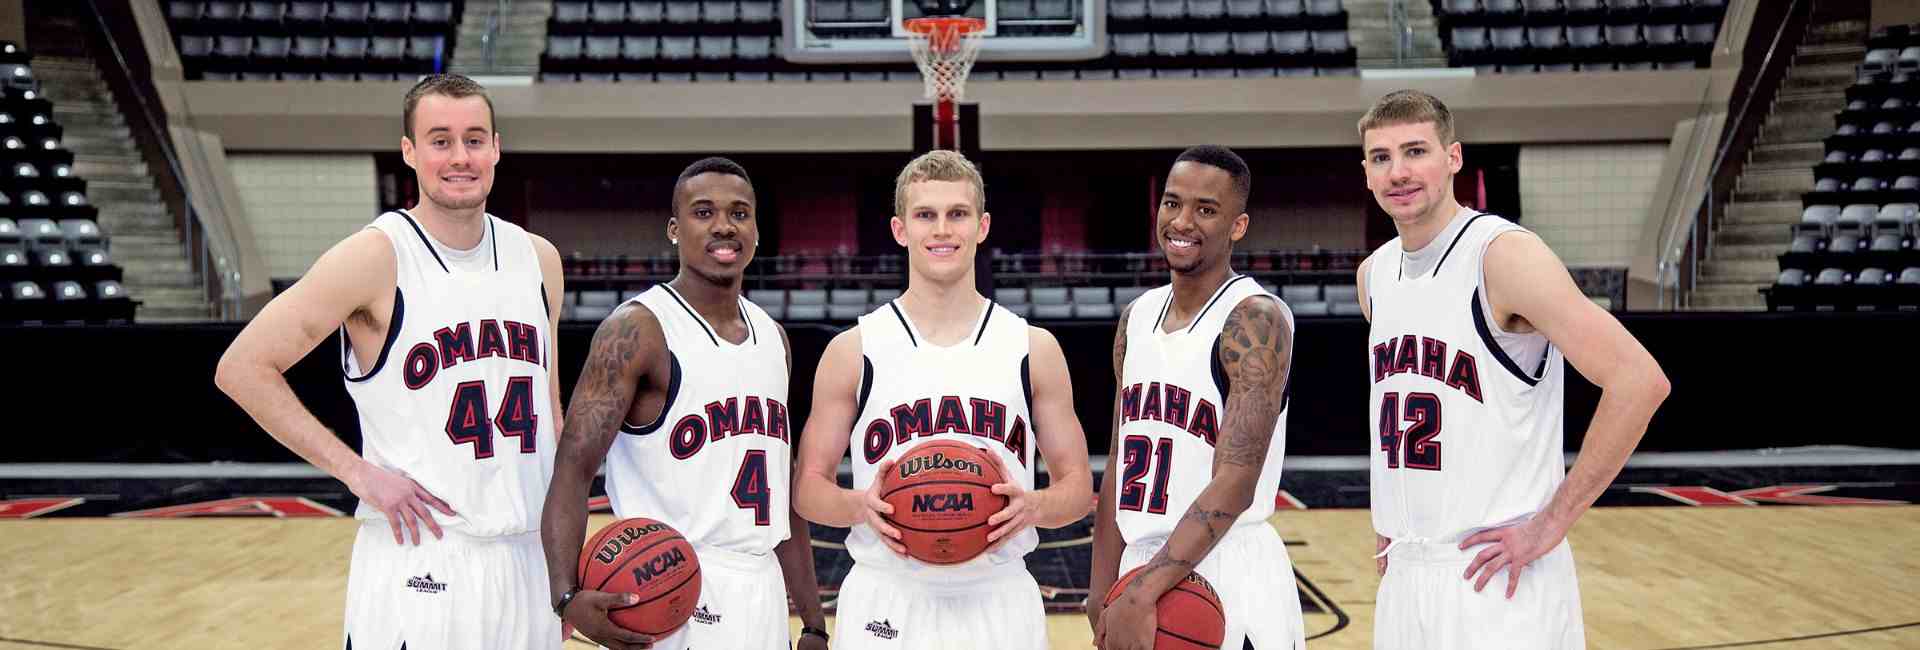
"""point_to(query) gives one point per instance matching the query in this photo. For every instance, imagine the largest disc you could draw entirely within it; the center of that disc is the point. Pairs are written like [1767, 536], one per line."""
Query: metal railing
[212, 252]
[491, 37]
[1683, 246]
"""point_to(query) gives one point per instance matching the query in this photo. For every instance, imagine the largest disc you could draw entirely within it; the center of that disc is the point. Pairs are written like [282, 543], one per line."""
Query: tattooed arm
[1107, 544]
[1256, 351]
[627, 345]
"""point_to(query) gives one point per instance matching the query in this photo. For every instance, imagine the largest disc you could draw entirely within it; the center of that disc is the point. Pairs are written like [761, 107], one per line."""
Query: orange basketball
[942, 495]
[649, 558]
[1189, 615]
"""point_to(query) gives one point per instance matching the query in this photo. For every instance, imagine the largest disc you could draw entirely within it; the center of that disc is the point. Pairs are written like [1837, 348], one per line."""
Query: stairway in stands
[145, 242]
[1766, 200]
[1370, 26]
[517, 45]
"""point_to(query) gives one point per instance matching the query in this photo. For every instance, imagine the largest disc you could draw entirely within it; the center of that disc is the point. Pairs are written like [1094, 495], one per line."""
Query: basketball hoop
[945, 47]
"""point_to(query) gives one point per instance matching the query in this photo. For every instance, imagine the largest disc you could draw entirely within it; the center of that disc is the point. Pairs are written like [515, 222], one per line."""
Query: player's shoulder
[632, 320]
[845, 345]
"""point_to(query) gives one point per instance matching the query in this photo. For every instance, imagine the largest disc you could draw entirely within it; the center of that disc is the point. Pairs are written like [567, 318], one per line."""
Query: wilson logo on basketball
[938, 460]
[658, 565]
[611, 550]
[942, 502]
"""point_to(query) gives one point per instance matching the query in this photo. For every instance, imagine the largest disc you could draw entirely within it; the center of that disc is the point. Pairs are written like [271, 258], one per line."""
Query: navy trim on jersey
[546, 306]
[1164, 308]
[393, 334]
[1456, 242]
[1217, 293]
[1221, 382]
[424, 240]
[1541, 371]
[1026, 382]
[866, 384]
[983, 322]
[903, 323]
[496, 246]
[1499, 353]
[741, 303]
[675, 295]
[673, 392]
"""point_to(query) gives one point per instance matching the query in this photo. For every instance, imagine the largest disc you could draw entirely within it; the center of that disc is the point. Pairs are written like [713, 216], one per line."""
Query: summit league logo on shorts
[425, 584]
[883, 629]
[704, 615]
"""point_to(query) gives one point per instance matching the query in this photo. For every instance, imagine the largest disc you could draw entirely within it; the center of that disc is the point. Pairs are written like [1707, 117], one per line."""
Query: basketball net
[945, 47]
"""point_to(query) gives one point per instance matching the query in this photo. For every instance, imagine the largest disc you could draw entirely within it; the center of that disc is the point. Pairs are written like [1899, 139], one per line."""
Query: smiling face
[453, 151]
[714, 226]
[1411, 172]
[941, 228]
[1200, 217]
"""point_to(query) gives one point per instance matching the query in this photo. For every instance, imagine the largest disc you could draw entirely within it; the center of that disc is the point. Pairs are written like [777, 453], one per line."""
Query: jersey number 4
[1138, 458]
[1416, 442]
[750, 489]
[467, 421]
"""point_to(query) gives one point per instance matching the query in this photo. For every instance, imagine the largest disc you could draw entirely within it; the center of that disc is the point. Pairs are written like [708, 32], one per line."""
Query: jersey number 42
[1416, 442]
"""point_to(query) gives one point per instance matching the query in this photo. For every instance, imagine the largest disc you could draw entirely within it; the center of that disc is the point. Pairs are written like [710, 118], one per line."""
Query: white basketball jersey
[715, 464]
[459, 399]
[1465, 436]
[1173, 398]
[974, 392]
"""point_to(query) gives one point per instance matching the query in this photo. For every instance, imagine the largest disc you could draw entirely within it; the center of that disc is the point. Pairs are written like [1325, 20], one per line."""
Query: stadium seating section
[1048, 287]
[739, 40]
[1854, 245]
[1569, 35]
[54, 264]
[313, 40]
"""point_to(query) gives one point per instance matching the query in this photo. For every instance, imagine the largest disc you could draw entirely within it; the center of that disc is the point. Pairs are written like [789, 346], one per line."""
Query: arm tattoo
[1216, 521]
[597, 407]
[1120, 342]
[1256, 350]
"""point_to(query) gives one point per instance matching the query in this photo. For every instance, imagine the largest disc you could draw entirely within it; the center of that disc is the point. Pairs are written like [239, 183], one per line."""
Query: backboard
[872, 31]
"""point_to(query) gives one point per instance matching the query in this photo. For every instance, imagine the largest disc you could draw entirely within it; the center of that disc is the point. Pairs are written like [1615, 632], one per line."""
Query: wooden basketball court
[1652, 578]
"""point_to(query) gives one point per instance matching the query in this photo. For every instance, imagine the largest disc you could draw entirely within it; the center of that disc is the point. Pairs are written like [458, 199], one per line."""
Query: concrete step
[1757, 195]
[48, 71]
[1728, 297]
[87, 120]
[172, 313]
[1818, 84]
[1848, 53]
[120, 132]
[105, 146]
[1823, 103]
[1740, 270]
[1786, 179]
[1774, 212]
[1753, 233]
[77, 93]
[1746, 252]
[135, 213]
[166, 279]
[1842, 32]
[100, 169]
[103, 192]
[1799, 153]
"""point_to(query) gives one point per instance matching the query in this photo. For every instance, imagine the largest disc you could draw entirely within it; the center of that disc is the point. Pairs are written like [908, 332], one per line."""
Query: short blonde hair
[938, 165]
[1409, 107]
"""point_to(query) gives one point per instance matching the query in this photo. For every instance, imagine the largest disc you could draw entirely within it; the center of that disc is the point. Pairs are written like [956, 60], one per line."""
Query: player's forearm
[1619, 421]
[796, 568]
[563, 527]
[1107, 543]
[1067, 498]
[1211, 516]
[264, 394]
[822, 501]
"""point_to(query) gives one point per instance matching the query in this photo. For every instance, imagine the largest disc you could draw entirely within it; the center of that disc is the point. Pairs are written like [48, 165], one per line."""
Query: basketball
[942, 495]
[1189, 614]
[649, 558]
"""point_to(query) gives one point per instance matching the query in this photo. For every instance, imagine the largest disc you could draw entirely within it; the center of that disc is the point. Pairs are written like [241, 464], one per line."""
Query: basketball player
[898, 379]
[1471, 316]
[447, 318]
[684, 397]
[1200, 427]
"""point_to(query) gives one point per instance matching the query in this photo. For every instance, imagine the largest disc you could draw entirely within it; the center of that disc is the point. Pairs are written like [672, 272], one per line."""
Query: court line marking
[50, 644]
[1790, 639]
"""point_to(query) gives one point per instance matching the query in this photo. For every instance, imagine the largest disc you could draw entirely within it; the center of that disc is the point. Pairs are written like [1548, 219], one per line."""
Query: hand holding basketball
[1128, 623]
[402, 500]
[1512, 548]
[877, 509]
[588, 613]
[1020, 513]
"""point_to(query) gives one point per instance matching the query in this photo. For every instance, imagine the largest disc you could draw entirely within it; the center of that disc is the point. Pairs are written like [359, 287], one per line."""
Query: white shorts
[454, 592]
[1253, 576]
[1425, 603]
[743, 605]
[887, 610]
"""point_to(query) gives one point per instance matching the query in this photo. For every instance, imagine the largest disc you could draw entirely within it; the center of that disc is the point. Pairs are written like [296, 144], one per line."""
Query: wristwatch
[806, 630]
[560, 608]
